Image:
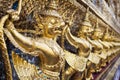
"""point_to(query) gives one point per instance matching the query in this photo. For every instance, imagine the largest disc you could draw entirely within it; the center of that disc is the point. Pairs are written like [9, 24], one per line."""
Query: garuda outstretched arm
[3, 50]
[4, 6]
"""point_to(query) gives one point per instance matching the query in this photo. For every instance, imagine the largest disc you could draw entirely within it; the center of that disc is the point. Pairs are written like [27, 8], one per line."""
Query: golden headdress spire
[107, 31]
[97, 31]
[51, 9]
[53, 4]
[97, 26]
[106, 35]
[86, 26]
[86, 21]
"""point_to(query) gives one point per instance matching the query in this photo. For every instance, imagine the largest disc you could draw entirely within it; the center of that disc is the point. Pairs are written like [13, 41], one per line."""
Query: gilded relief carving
[40, 29]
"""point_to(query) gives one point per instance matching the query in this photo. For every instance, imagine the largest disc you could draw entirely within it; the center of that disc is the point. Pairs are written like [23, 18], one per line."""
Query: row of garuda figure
[94, 47]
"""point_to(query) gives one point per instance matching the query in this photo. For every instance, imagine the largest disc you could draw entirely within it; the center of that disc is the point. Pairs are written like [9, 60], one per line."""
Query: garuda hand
[2, 21]
[13, 14]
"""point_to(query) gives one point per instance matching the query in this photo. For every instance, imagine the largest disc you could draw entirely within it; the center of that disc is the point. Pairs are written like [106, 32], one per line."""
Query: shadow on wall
[117, 74]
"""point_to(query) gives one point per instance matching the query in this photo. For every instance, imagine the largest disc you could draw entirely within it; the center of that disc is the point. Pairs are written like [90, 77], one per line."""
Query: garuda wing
[25, 70]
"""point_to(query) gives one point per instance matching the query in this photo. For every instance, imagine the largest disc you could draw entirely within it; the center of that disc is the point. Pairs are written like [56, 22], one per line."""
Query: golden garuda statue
[39, 29]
